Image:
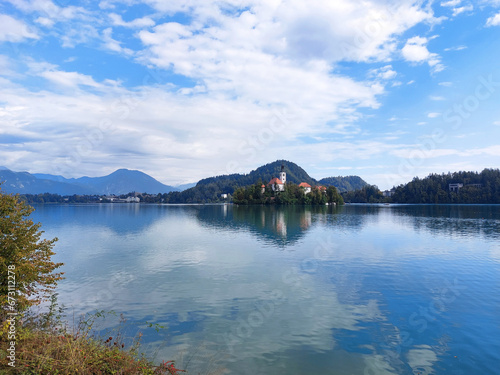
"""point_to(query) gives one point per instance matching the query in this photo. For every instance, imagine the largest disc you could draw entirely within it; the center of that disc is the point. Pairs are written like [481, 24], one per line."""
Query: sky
[183, 90]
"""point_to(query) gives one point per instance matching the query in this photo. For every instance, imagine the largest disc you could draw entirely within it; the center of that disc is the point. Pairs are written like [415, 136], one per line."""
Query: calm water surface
[298, 290]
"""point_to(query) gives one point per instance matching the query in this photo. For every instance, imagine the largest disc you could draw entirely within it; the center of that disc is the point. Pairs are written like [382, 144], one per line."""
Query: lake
[358, 289]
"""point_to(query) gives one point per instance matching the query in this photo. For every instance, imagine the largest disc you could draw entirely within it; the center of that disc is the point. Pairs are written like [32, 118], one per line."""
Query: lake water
[297, 290]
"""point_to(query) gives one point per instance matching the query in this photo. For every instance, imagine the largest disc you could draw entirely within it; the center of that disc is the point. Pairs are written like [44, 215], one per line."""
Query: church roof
[275, 180]
[304, 184]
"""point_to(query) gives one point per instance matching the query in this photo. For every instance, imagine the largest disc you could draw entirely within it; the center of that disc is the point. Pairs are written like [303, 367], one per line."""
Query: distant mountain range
[122, 181]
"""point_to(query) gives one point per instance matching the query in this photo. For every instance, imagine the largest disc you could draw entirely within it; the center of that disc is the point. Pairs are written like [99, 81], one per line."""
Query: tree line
[478, 188]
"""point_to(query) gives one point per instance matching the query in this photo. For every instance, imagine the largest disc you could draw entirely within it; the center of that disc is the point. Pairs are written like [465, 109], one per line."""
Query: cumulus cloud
[384, 73]
[415, 51]
[494, 20]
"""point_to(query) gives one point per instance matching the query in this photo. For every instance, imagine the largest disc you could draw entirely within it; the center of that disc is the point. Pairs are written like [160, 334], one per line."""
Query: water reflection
[280, 226]
[452, 220]
[210, 274]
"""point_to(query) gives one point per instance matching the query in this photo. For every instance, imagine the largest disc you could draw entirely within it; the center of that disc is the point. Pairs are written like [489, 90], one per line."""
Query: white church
[278, 184]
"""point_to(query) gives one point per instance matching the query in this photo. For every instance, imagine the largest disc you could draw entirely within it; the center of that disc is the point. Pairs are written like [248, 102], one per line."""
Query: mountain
[122, 181]
[294, 174]
[343, 184]
[210, 189]
[26, 183]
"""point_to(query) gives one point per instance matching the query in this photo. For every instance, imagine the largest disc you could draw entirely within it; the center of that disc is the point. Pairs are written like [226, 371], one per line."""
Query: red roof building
[276, 184]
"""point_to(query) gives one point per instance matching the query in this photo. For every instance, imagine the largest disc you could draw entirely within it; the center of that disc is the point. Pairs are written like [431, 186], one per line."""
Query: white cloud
[339, 30]
[415, 51]
[445, 84]
[44, 21]
[12, 30]
[433, 114]
[112, 44]
[50, 10]
[459, 10]
[136, 23]
[451, 3]
[69, 79]
[494, 20]
[457, 48]
[383, 73]
[490, 151]
[496, 123]
[234, 62]
[437, 98]
[454, 4]
[82, 34]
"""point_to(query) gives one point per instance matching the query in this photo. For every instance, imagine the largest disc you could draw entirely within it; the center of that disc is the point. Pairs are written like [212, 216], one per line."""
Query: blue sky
[184, 90]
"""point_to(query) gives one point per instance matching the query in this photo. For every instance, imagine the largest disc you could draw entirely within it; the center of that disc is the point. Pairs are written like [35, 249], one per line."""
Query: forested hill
[481, 187]
[294, 174]
[210, 189]
[343, 184]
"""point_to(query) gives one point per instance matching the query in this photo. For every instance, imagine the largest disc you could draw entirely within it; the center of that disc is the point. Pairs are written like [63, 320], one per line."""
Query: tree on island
[293, 194]
[27, 272]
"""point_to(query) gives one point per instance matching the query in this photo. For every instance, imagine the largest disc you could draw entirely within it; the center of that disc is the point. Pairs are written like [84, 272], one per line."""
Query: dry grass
[47, 353]
[45, 346]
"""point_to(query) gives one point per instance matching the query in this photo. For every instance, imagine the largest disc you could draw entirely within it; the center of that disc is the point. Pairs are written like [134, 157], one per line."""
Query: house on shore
[456, 187]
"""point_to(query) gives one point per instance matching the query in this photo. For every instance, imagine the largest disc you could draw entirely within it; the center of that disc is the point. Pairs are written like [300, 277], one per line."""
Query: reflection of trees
[282, 225]
[120, 218]
[463, 220]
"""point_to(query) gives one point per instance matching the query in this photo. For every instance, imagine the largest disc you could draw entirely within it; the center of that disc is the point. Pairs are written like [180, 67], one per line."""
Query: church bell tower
[283, 174]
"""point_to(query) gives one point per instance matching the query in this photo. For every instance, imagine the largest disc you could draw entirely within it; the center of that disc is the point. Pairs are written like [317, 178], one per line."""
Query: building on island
[307, 188]
[278, 184]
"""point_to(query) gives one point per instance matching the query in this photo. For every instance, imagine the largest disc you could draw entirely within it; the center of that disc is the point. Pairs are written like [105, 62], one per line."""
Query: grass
[44, 345]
